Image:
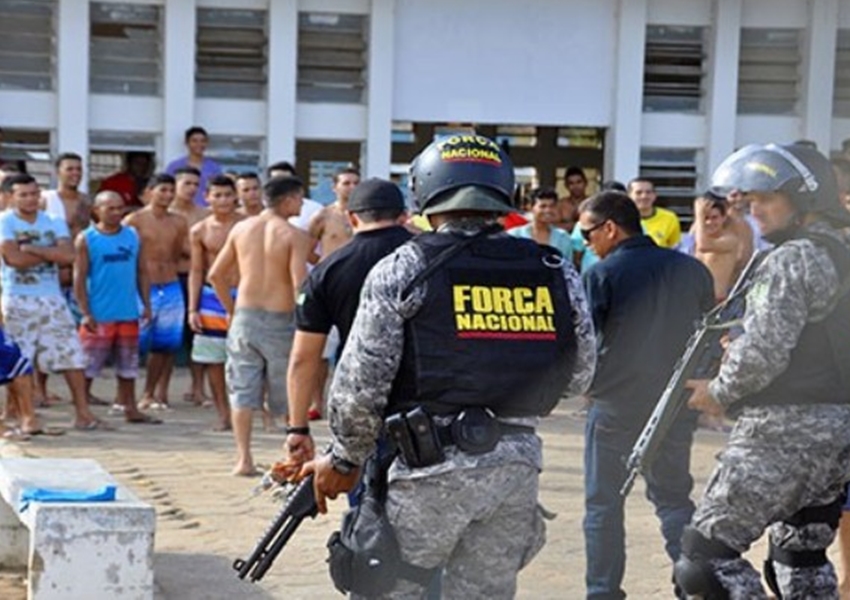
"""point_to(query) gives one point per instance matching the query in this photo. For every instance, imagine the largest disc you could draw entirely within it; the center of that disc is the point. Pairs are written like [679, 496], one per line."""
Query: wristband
[297, 430]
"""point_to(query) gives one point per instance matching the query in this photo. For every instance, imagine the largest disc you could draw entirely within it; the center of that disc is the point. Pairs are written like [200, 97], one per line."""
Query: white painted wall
[542, 63]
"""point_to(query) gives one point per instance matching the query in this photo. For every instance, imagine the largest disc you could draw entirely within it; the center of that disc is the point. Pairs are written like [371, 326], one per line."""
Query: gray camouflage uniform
[476, 515]
[779, 459]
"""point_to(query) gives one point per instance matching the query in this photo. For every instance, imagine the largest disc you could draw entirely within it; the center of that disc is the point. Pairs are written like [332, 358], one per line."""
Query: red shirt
[124, 184]
[513, 219]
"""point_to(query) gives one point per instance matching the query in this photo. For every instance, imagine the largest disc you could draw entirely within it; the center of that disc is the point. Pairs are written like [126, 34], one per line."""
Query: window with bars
[237, 154]
[841, 93]
[673, 172]
[231, 54]
[769, 71]
[673, 68]
[126, 49]
[331, 57]
[26, 44]
[29, 150]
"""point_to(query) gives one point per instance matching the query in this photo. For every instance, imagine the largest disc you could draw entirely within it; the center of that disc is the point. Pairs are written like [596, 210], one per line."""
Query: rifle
[696, 360]
[300, 504]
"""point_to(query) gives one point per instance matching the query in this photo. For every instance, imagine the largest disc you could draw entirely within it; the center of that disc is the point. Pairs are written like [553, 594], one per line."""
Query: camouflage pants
[482, 525]
[778, 460]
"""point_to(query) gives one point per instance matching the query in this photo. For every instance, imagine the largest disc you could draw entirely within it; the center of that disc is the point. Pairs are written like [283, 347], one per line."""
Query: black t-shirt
[331, 293]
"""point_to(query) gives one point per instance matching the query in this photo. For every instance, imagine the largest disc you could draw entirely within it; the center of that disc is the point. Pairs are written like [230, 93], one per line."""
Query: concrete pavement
[206, 518]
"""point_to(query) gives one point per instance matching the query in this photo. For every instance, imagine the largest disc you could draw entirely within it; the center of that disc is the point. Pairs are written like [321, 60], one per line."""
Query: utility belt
[420, 440]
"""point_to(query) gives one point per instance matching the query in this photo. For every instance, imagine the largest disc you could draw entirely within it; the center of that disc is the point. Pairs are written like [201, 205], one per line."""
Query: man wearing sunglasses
[644, 301]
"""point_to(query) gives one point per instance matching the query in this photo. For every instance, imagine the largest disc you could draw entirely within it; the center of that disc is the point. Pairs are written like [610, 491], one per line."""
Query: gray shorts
[258, 345]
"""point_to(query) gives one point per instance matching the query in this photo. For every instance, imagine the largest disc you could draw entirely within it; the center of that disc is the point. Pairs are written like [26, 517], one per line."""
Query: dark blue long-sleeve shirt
[645, 302]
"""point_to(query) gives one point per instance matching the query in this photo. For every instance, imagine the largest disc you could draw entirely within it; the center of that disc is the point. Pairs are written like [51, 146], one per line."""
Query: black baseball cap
[376, 194]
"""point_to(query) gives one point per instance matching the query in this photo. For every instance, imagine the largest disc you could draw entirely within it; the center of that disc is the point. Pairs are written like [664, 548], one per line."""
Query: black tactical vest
[495, 330]
[819, 368]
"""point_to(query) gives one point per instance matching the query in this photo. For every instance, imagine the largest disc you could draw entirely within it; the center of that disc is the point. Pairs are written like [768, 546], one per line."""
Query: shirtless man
[576, 182]
[330, 227]
[207, 317]
[717, 244]
[69, 204]
[249, 194]
[163, 235]
[271, 258]
[187, 181]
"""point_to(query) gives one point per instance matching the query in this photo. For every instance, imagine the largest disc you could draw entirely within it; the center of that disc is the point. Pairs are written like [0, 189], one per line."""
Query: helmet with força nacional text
[798, 171]
[462, 161]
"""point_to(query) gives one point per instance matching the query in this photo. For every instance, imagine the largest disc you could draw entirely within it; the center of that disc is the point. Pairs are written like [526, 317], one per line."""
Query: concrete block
[85, 550]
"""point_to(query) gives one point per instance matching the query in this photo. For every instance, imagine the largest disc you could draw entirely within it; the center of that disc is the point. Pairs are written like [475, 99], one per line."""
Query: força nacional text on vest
[527, 311]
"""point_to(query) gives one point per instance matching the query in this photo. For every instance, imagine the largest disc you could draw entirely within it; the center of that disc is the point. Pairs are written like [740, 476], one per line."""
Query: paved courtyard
[206, 518]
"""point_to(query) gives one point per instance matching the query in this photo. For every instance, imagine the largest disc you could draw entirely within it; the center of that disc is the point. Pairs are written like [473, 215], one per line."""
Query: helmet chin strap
[788, 232]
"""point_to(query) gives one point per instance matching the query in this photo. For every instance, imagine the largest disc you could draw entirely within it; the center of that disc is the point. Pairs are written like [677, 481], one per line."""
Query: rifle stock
[693, 362]
[301, 504]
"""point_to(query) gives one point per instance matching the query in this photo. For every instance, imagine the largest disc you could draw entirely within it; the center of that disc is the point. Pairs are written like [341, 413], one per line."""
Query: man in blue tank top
[109, 279]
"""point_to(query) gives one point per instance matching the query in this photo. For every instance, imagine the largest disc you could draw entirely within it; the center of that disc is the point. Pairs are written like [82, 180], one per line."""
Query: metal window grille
[331, 57]
[26, 44]
[673, 172]
[231, 54]
[673, 68]
[841, 93]
[769, 71]
[238, 154]
[126, 49]
[29, 150]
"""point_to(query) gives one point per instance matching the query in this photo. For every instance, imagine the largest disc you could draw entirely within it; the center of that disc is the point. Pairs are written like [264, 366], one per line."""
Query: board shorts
[258, 345]
[210, 346]
[118, 341]
[43, 328]
[164, 332]
[13, 363]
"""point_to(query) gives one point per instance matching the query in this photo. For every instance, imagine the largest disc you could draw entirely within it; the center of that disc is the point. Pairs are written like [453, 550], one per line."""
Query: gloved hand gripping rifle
[300, 504]
[695, 362]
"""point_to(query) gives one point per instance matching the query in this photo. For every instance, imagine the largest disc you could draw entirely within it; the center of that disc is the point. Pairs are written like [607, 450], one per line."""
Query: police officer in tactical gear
[464, 337]
[787, 378]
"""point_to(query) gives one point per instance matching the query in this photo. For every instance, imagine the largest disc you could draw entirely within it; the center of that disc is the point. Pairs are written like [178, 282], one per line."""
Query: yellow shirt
[663, 227]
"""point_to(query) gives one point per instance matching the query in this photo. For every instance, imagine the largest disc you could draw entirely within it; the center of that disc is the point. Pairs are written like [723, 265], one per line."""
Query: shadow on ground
[180, 576]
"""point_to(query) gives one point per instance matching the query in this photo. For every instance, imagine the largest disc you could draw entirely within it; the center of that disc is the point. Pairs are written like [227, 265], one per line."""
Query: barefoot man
[717, 244]
[163, 235]
[187, 180]
[271, 258]
[207, 317]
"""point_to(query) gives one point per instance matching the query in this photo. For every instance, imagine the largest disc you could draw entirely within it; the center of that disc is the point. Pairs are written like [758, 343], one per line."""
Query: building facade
[662, 88]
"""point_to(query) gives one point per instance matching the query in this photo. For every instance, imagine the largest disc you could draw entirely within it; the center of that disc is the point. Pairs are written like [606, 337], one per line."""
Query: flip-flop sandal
[14, 434]
[143, 420]
[94, 401]
[96, 425]
[46, 431]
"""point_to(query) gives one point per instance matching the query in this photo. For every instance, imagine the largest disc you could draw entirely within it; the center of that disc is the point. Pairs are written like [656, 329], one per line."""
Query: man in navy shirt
[331, 294]
[645, 301]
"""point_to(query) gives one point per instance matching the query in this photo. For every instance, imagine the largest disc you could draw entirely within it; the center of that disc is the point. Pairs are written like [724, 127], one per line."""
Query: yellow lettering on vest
[478, 322]
[529, 323]
[463, 321]
[482, 299]
[514, 323]
[543, 301]
[492, 322]
[502, 300]
[523, 304]
[545, 324]
[461, 295]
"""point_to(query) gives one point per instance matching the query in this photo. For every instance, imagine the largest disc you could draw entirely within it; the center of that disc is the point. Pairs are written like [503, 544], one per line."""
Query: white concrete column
[623, 151]
[72, 78]
[377, 151]
[178, 89]
[819, 72]
[721, 100]
[283, 81]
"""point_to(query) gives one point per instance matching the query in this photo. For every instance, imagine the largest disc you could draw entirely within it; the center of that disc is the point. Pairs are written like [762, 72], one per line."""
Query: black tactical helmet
[460, 161]
[801, 172]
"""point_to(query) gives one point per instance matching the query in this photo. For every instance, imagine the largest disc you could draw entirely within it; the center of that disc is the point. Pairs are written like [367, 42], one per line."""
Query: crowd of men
[263, 287]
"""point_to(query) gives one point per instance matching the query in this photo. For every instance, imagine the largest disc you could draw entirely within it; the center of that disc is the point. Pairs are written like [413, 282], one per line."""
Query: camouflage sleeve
[796, 282]
[370, 360]
[583, 326]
